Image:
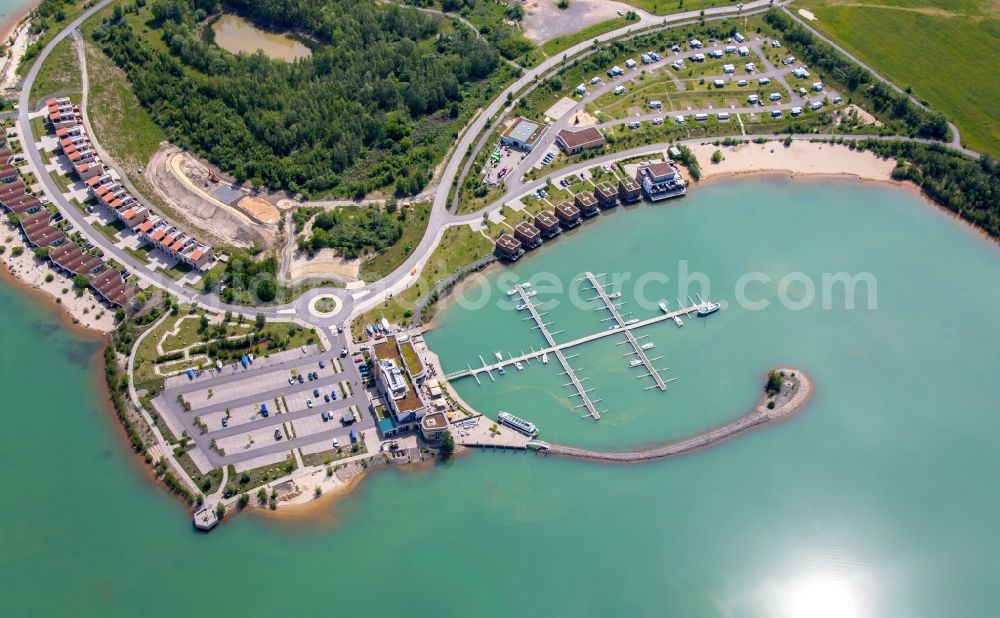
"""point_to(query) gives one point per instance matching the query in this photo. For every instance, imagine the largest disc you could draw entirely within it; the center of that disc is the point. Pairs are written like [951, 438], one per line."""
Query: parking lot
[228, 403]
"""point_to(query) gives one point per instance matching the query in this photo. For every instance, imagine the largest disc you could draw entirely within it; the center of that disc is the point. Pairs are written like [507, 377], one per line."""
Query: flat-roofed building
[573, 142]
[523, 134]
[398, 390]
[629, 191]
[547, 224]
[587, 203]
[509, 247]
[661, 180]
[529, 235]
[433, 426]
[606, 194]
[568, 214]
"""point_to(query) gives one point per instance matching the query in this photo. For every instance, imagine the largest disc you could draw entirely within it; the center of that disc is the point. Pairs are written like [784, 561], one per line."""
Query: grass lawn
[121, 124]
[62, 181]
[291, 335]
[555, 46]
[140, 254]
[459, 245]
[254, 478]
[59, 73]
[109, 231]
[176, 271]
[954, 70]
[665, 7]
[38, 128]
[387, 261]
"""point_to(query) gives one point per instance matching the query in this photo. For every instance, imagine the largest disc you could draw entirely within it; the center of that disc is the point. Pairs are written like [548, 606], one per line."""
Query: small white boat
[501, 371]
[708, 309]
[647, 346]
[519, 365]
[613, 327]
[531, 293]
[614, 295]
[545, 358]
[499, 357]
[678, 321]
[663, 306]
[512, 291]
[522, 306]
[635, 363]
[633, 321]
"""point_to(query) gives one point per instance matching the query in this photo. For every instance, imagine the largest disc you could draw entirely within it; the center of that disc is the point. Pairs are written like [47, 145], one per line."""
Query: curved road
[361, 299]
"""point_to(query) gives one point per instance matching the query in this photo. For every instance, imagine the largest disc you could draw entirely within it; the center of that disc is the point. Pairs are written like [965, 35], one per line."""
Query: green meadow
[945, 50]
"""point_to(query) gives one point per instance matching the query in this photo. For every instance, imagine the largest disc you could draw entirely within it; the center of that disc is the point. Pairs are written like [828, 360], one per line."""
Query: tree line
[372, 107]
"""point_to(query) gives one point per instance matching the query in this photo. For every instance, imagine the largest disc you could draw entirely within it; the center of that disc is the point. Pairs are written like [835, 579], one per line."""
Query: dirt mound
[192, 208]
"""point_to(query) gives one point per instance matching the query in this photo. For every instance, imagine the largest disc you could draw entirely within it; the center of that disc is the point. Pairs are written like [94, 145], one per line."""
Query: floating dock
[620, 321]
[623, 328]
[568, 371]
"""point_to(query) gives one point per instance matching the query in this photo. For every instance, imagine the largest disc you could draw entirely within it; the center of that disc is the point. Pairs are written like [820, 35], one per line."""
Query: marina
[621, 326]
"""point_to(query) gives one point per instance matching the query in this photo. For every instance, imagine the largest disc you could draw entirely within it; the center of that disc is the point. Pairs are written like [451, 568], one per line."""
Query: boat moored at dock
[663, 306]
[708, 309]
[517, 424]
[635, 363]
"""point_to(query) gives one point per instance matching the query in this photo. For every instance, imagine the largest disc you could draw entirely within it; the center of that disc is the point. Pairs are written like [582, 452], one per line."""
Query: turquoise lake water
[878, 500]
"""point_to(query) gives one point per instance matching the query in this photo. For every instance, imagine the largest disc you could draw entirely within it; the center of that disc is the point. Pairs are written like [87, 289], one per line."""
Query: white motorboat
[614, 295]
[519, 365]
[499, 357]
[663, 306]
[647, 346]
[678, 321]
[531, 293]
[708, 309]
[635, 363]
[633, 321]
[545, 358]
[522, 306]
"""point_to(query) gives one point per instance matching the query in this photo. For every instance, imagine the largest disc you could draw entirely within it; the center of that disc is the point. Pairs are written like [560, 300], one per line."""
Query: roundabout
[325, 306]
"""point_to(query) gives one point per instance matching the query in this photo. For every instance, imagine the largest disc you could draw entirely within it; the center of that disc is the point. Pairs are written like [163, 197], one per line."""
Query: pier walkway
[620, 321]
[568, 371]
[558, 348]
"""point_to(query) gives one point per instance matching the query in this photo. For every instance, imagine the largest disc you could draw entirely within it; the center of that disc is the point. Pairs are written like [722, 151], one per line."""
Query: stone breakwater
[795, 393]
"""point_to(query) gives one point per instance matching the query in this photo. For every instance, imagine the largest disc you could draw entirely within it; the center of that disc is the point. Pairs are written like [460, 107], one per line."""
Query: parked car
[333, 395]
[326, 398]
[325, 416]
[343, 352]
[336, 443]
[316, 392]
[300, 379]
[340, 328]
[277, 435]
[322, 365]
[309, 403]
[225, 421]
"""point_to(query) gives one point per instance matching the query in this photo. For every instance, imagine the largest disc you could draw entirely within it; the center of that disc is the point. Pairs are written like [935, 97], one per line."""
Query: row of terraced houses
[68, 257]
[77, 148]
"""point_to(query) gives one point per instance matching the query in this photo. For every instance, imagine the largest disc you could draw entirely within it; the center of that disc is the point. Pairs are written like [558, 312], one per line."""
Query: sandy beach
[798, 158]
[84, 310]
[15, 28]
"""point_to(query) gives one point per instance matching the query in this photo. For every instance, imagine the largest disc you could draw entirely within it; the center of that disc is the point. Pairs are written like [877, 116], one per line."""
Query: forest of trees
[908, 118]
[374, 106]
[353, 233]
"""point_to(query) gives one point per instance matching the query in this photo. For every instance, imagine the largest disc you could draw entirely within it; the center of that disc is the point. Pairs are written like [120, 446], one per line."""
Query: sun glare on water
[822, 596]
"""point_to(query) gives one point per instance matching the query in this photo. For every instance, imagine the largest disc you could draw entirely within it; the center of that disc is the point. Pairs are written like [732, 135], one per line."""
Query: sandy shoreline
[798, 158]
[10, 24]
